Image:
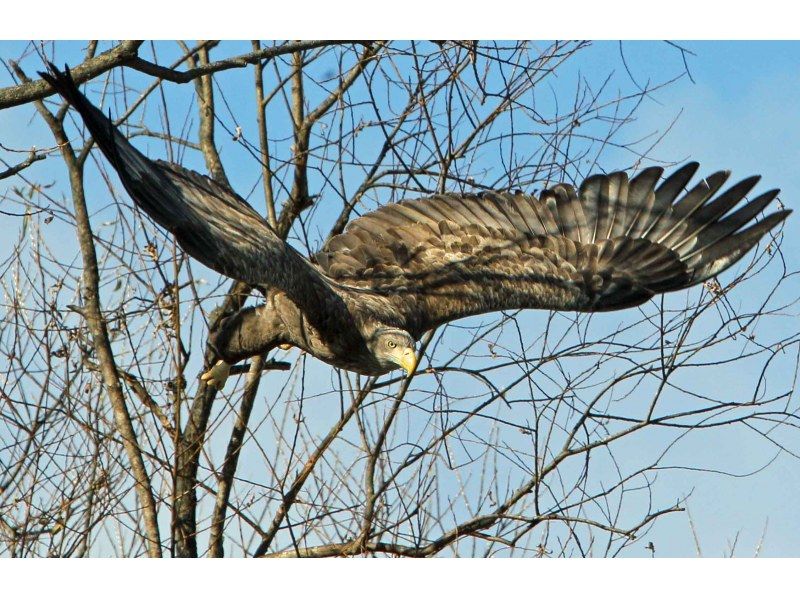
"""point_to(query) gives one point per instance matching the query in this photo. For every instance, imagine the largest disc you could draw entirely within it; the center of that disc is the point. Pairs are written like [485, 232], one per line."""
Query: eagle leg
[217, 375]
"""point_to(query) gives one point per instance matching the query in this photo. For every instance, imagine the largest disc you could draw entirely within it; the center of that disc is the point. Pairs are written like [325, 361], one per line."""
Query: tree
[506, 441]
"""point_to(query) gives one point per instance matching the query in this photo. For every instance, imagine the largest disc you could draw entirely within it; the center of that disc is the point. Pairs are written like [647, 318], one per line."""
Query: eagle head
[392, 348]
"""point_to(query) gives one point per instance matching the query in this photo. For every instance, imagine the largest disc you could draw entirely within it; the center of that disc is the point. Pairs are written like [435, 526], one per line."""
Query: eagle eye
[391, 344]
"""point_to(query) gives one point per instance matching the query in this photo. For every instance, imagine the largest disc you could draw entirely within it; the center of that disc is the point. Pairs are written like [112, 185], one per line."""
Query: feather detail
[613, 244]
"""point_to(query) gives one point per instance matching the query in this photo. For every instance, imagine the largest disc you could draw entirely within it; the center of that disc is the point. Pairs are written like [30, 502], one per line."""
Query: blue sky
[739, 114]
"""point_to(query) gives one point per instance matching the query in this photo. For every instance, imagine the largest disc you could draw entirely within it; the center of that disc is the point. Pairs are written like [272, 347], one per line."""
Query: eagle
[364, 300]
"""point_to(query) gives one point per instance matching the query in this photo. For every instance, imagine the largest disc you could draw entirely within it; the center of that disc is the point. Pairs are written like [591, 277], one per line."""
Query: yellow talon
[217, 375]
[285, 347]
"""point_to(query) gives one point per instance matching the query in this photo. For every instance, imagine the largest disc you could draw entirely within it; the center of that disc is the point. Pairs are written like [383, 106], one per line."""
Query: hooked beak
[408, 361]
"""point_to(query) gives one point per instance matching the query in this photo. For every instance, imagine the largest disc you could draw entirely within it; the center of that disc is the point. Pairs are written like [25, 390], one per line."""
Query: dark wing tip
[61, 81]
[784, 214]
[52, 75]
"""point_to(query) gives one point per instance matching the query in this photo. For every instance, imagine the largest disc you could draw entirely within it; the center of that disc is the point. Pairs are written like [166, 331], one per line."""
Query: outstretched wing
[211, 222]
[613, 244]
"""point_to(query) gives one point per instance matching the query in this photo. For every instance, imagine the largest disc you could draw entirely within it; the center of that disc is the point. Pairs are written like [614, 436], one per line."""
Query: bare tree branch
[521, 433]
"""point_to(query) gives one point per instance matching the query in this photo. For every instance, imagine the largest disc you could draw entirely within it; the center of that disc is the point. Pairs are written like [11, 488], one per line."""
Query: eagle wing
[612, 244]
[210, 222]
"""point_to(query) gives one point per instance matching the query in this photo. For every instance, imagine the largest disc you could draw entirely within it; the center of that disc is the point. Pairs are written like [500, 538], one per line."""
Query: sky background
[740, 113]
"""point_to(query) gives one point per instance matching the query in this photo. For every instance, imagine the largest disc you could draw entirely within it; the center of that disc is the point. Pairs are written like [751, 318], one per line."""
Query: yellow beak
[408, 361]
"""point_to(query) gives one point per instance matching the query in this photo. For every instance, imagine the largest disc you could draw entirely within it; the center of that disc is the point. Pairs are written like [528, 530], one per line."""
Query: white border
[421, 19]
[404, 578]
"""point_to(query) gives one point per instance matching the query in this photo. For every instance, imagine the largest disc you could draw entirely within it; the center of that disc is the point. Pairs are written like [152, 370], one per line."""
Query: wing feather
[528, 212]
[618, 204]
[663, 197]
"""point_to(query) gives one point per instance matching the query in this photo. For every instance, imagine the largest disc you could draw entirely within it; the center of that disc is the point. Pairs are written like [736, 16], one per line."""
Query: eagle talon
[217, 375]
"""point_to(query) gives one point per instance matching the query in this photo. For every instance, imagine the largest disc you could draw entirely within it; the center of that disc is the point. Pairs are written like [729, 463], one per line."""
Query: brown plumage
[362, 301]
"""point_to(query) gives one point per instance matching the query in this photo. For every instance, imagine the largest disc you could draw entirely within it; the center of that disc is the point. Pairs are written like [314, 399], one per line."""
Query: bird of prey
[369, 294]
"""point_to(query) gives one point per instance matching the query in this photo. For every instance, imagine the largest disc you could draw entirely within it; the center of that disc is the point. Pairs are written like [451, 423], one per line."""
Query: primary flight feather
[365, 298]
